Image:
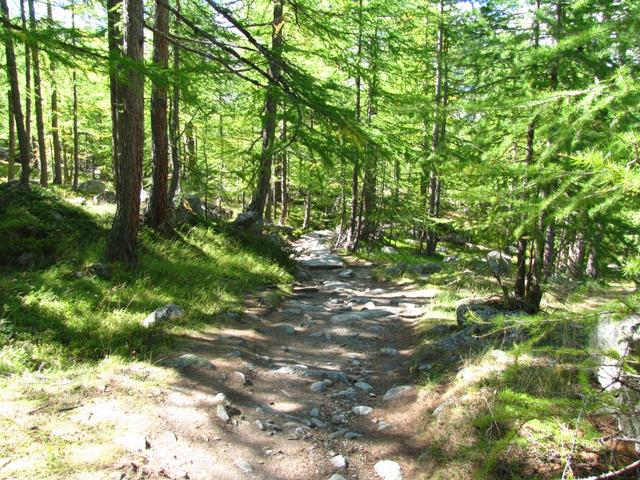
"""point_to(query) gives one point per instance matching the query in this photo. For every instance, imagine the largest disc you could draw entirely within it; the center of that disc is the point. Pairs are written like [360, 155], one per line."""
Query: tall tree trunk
[369, 181]
[174, 134]
[307, 209]
[438, 134]
[12, 73]
[55, 129]
[124, 231]
[353, 236]
[158, 206]
[270, 112]
[27, 80]
[284, 173]
[11, 154]
[114, 39]
[37, 86]
[76, 133]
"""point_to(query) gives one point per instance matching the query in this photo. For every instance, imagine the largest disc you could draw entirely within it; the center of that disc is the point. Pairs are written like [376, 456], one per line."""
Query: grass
[71, 342]
[58, 313]
[514, 414]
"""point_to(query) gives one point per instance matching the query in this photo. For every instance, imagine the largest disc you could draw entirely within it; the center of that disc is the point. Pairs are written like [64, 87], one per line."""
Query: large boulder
[92, 187]
[614, 339]
[107, 196]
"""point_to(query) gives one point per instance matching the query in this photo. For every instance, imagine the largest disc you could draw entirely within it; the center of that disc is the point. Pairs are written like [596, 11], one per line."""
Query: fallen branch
[605, 476]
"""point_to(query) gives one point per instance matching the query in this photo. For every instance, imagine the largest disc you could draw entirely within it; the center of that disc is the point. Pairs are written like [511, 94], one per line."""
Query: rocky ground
[317, 388]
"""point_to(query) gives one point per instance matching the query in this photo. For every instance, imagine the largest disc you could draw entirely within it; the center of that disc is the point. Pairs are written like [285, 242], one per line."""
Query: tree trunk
[11, 154]
[55, 129]
[270, 112]
[438, 134]
[352, 238]
[27, 80]
[175, 119]
[592, 262]
[124, 231]
[114, 39]
[284, 173]
[307, 209]
[158, 205]
[37, 86]
[76, 133]
[12, 73]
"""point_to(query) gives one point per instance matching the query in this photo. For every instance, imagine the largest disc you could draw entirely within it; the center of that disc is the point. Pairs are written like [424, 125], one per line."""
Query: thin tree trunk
[12, 73]
[55, 129]
[158, 205]
[114, 39]
[76, 133]
[27, 80]
[307, 209]
[124, 231]
[437, 140]
[270, 112]
[175, 118]
[284, 173]
[11, 154]
[37, 86]
[352, 239]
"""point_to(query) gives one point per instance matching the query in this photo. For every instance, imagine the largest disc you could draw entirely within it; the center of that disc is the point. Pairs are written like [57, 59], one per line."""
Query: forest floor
[307, 388]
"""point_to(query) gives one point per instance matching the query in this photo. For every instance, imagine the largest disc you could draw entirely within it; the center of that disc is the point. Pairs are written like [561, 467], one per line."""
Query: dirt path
[306, 391]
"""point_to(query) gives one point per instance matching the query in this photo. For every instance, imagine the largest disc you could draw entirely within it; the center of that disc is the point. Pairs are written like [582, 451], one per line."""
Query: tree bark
[76, 133]
[284, 173]
[12, 73]
[37, 87]
[27, 80]
[11, 154]
[55, 129]
[307, 209]
[353, 236]
[270, 112]
[158, 205]
[124, 231]
[175, 119]
[114, 40]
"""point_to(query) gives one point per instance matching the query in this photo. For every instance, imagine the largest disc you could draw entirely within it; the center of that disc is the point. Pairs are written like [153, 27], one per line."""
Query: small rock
[388, 470]
[346, 318]
[346, 273]
[338, 433]
[389, 250]
[318, 387]
[288, 329]
[364, 386]
[167, 313]
[220, 398]
[315, 412]
[337, 476]
[339, 419]
[352, 435]
[191, 360]
[389, 351]
[339, 461]
[362, 410]
[347, 393]
[318, 423]
[396, 392]
[243, 465]
[221, 411]
[101, 269]
[259, 424]
[239, 377]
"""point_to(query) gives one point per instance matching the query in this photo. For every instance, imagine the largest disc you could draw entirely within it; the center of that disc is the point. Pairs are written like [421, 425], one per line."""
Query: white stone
[388, 470]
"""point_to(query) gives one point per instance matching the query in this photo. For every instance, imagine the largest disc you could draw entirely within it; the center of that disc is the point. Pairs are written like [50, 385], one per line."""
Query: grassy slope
[515, 415]
[63, 329]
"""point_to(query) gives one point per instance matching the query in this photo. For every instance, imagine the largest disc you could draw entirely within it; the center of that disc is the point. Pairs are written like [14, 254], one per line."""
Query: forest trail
[307, 386]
